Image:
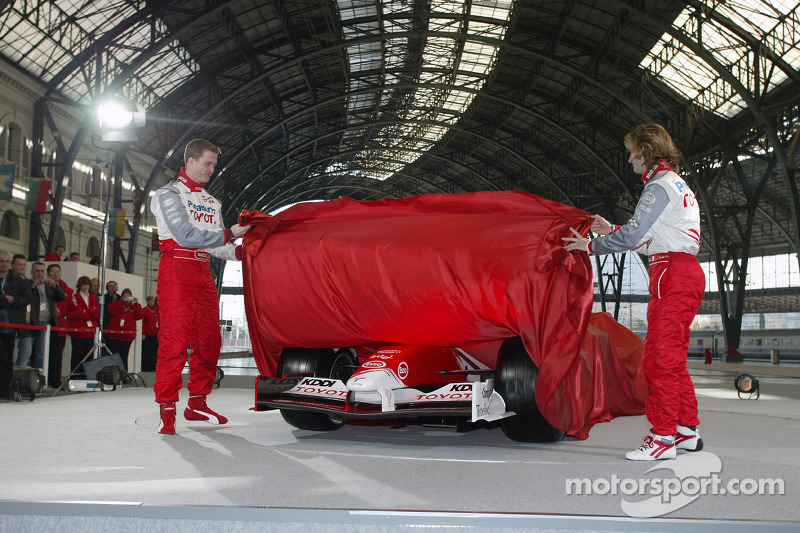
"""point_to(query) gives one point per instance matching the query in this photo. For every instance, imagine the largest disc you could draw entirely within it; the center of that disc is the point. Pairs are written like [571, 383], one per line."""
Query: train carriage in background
[754, 344]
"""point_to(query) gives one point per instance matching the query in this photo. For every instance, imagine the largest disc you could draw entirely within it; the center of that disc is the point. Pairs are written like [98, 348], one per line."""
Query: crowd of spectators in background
[44, 299]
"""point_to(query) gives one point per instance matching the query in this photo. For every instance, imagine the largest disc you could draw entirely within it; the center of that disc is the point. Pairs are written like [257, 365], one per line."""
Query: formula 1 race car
[462, 306]
[321, 388]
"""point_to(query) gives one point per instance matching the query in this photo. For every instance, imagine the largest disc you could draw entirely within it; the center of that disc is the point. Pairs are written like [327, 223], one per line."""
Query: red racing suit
[190, 230]
[666, 227]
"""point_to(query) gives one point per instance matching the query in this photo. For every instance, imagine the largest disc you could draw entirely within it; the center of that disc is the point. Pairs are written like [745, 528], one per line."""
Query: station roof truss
[316, 99]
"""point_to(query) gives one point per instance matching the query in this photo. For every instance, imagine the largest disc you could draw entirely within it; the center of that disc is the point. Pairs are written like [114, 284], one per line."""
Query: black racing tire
[515, 381]
[321, 362]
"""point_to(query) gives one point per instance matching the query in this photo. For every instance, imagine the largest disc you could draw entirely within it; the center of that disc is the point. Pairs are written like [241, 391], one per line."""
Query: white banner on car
[486, 403]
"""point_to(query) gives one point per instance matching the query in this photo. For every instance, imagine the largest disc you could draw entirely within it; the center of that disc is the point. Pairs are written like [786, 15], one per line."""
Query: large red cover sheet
[606, 380]
[438, 270]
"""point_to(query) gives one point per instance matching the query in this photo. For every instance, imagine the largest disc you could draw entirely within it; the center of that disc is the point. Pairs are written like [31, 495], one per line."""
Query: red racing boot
[198, 410]
[167, 425]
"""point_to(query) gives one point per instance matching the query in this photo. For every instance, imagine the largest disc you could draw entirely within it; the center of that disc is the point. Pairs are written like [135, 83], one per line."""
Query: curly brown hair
[654, 143]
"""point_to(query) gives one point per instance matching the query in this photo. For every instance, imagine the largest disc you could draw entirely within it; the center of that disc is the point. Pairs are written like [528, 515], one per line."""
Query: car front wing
[474, 399]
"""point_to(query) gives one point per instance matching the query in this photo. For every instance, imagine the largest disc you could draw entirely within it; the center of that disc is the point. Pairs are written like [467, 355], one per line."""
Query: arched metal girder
[143, 13]
[784, 165]
[290, 195]
[96, 47]
[302, 171]
[491, 184]
[85, 127]
[299, 176]
[211, 111]
[731, 262]
[488, 183]
[598, 86]
[732, 324]
[61, 174]
[280, 126]
[504, 102]
[373, 185]
[756, 45]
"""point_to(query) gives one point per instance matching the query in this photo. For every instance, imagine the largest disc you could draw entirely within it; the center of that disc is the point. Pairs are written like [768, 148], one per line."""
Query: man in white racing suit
[190, 230]
[666, 227]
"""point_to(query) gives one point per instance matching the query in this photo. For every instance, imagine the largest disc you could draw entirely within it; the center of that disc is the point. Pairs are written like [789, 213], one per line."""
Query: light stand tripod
[99, 348]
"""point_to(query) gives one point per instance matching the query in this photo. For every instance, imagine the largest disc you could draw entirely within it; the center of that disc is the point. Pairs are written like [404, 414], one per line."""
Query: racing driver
[190, 230]
[666, 227]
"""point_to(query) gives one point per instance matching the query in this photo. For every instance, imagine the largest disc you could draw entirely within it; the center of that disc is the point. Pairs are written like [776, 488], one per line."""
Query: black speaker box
[92, 366]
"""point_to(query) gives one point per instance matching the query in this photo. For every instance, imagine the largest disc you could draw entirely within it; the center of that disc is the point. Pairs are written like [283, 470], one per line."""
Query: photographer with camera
[123, 314]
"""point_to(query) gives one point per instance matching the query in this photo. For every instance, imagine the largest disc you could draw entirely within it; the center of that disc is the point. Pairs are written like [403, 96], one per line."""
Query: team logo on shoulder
[648, 198]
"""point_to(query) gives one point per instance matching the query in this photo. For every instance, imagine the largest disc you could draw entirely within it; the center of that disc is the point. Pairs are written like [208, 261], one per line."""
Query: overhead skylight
[449, 66]
[67, 28]
[774, 23]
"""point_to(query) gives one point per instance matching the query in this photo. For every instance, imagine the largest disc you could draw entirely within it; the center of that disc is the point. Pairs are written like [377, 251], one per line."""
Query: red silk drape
[437, 269]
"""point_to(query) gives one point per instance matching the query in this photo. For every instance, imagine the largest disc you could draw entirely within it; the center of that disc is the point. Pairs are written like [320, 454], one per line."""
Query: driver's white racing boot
[688, 438]
[653, 448]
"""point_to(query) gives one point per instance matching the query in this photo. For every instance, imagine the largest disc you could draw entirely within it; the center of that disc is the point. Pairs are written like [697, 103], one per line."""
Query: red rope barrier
[65, 329]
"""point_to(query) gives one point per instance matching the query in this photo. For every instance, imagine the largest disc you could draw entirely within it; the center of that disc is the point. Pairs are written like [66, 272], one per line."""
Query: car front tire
[515, 378]
[321, 362]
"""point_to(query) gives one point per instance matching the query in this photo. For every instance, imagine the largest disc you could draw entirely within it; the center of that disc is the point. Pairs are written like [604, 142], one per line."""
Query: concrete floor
[103, 447]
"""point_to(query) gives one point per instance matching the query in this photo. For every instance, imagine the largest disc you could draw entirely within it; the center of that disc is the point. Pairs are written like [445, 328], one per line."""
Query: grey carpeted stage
[93, 461]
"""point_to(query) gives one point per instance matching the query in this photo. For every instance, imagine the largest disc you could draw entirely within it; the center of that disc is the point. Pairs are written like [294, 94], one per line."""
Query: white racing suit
[190, 230]
[666, 228]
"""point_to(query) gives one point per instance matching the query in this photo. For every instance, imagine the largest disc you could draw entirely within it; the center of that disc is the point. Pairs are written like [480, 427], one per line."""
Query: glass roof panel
[68, 27]
[63, 29]
[775, 23]
[445, 67]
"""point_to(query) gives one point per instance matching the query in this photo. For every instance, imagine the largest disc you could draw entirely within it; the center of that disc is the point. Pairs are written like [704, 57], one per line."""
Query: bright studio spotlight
[747, 384]
[119, 118]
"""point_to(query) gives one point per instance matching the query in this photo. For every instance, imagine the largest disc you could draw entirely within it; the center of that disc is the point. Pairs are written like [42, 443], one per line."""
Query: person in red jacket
[58, 338]
[150, 327]
[123, 315]
[82, 314]
[55, 255]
